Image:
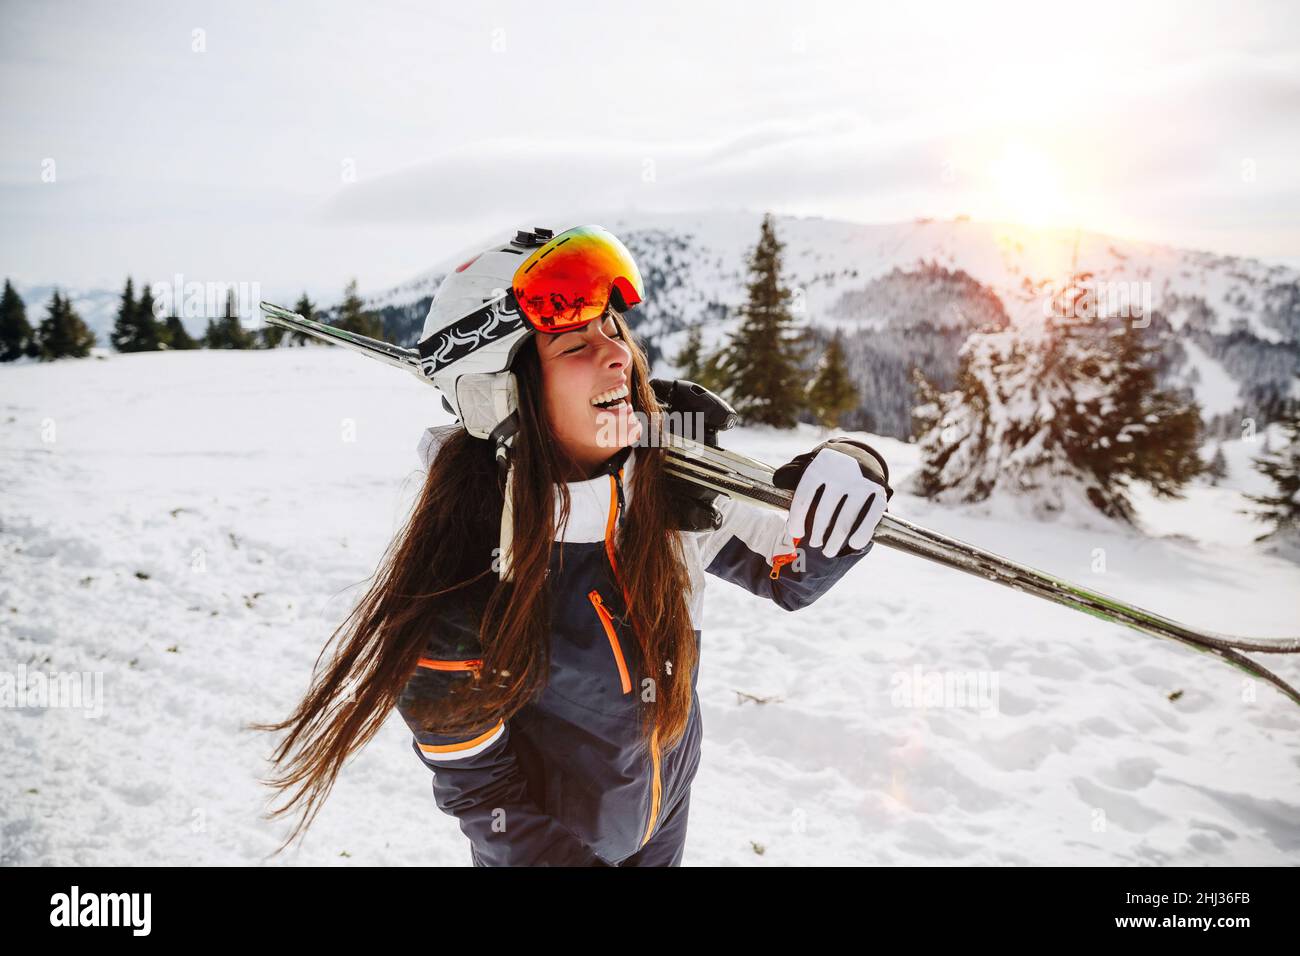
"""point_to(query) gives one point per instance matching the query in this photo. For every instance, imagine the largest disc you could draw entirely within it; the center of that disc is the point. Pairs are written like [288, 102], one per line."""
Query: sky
[299, 145]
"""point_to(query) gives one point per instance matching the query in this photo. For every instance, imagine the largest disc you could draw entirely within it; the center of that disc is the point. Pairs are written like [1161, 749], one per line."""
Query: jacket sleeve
[751, 548]
[478, 780]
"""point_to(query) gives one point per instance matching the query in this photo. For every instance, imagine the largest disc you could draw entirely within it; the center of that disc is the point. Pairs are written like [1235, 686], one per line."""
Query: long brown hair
[448, 546]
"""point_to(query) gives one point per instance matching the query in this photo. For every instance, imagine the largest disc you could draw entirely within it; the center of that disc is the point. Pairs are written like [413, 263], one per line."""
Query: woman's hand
[839, 497]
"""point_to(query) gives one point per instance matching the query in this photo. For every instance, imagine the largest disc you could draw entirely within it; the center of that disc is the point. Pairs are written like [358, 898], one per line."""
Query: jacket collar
[590, 501]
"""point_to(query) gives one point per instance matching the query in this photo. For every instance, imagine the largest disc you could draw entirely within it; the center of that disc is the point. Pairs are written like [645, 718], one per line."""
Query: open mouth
[614, 398]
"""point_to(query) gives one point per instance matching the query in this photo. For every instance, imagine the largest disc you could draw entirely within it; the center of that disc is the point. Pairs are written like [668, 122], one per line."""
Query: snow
[258, 490]
[1216, 391]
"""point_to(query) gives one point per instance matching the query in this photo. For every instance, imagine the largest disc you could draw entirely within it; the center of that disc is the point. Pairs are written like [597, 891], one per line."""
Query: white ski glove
[839, 478]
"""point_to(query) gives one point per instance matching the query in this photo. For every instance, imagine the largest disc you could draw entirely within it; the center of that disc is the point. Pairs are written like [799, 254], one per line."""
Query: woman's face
[577, 367]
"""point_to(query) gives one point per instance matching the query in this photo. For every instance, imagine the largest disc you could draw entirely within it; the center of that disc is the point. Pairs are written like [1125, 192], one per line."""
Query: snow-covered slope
[192, 527]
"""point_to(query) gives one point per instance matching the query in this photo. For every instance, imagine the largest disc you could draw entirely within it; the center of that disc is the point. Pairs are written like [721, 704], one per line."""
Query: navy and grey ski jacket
[568, 777]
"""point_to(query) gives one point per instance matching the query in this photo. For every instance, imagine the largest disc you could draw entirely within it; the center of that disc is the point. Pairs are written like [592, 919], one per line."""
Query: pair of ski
[738, 476]
[745, 478]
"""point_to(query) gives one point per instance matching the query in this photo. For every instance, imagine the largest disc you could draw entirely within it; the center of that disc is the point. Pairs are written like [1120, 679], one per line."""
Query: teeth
[620, 392]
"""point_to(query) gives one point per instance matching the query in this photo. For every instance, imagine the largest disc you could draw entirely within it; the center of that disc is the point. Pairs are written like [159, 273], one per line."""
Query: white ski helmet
[473, 332]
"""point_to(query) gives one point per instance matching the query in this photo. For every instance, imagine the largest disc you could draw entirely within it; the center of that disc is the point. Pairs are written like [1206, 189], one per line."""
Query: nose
[621, 354]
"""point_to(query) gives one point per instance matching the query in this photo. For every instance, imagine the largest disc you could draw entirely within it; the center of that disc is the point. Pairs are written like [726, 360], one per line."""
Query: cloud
[1177, 135]
[827, 157]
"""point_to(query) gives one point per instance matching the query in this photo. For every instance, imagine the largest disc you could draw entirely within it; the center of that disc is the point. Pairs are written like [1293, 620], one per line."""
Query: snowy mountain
[189, 528]
[1231, 329]
[907, 294]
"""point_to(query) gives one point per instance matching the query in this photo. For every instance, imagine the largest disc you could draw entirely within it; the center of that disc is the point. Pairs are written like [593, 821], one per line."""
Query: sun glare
[1028, 186]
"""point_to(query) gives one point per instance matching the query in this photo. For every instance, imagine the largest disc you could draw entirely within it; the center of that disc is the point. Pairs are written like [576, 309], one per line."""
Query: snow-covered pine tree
[1061, 415]
[1281, 509]
[831, 393]
[761, 364]
[1130, 429]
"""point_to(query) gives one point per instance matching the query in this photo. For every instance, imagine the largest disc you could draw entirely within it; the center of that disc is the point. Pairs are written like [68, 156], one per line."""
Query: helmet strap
[505, 542]
[502, 438]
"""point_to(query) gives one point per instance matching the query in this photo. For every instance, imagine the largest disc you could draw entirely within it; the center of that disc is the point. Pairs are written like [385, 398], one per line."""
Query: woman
[536, 622]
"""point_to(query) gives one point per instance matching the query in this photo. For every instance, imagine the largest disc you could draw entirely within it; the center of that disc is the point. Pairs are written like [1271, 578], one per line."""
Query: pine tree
[233, 328]
[691, 357]
[62, 334]
[761, 364]
[255, 338]
[228, 332]
[831, 393]
[136, 327]
[272, 335]
[696, 366]
[175, 336]
[17, 338]
[307, 311]
[275, 336]
[1063, 411]
[354, 318]
[147, 334]
[123, 335]
[1282, 467]
[1121, 426]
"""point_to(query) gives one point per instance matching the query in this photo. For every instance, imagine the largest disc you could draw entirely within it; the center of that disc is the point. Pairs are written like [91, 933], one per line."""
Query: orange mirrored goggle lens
[569, 281]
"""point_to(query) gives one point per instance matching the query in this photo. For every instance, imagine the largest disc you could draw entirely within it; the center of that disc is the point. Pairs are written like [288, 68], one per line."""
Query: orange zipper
[781, 560]
[606, 620]
[656, 790]
[656, 784]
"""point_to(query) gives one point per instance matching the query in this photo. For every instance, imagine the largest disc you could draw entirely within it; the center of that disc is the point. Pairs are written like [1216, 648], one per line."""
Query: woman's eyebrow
[553, 341]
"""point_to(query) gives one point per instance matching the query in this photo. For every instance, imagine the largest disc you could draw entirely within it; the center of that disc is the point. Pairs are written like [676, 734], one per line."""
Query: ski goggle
[572, 278]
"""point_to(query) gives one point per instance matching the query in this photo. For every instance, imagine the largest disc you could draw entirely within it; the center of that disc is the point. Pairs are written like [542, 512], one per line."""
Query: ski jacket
[569, 775]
